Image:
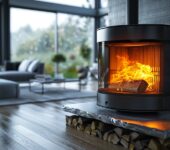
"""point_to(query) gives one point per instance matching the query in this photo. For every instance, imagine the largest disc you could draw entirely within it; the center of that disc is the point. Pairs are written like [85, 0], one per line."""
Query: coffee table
[44, 81]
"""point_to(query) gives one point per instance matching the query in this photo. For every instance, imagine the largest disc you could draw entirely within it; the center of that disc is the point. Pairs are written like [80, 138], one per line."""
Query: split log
[134, 136]
[161, 141]
[80, 127]
[136, 86]
[118, 131]
[99, 134]
[154, 144]
[103, 127]
[94, 133]
[83, 121]
[87, 129]
[110, 137]
[126, 137]
[69, 120]
[131, 146]
[94, 125]
[75, 122]
[124, 143]
[145, 141]
[113, 138]
[139, 145]
[167, 143]
[106, 135]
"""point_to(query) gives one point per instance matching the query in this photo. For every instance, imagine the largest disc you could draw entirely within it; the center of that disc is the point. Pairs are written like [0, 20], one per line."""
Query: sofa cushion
[24, 65]
[17, 76]
[9, 89]
[33, 65]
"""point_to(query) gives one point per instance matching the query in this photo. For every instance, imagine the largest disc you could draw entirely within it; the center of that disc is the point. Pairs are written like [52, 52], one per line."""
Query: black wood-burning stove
[134, 75]
[134, 67]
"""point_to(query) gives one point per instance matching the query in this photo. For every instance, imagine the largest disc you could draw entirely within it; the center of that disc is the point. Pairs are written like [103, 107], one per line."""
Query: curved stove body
[134, 67]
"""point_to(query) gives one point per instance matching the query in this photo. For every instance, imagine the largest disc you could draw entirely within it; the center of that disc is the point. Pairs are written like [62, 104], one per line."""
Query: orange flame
[132, 70]
[156, 124]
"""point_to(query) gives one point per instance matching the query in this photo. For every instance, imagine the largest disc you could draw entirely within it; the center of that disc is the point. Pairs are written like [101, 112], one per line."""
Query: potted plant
[58, 58]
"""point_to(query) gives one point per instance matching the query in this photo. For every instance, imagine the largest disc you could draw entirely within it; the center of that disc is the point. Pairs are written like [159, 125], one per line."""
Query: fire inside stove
[132, 68]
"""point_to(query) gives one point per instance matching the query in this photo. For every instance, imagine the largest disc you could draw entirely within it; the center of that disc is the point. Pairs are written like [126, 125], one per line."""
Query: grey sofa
[11, 72]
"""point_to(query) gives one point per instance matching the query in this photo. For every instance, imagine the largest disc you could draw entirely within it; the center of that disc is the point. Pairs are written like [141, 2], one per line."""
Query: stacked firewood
[118, 136]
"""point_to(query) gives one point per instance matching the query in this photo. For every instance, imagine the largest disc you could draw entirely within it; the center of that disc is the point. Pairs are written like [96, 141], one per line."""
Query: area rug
[49, 95]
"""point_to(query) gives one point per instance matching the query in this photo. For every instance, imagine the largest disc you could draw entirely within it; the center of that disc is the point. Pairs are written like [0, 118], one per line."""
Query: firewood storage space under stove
[134, 67]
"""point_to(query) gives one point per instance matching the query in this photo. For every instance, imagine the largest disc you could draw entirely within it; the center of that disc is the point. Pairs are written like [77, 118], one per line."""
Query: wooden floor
[41, 126]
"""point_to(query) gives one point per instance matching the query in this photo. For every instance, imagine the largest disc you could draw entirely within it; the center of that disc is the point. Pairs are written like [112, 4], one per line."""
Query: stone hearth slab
[153, 124]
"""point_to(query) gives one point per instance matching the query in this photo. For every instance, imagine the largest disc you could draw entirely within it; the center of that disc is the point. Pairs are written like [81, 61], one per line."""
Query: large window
[75, 40]
[104, 21]
[39, 34]
[33, 36]
[104, 3]
[79, 3]
[39, 37]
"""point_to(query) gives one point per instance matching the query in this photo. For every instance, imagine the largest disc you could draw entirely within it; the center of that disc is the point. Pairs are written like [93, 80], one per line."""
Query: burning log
[136, 86]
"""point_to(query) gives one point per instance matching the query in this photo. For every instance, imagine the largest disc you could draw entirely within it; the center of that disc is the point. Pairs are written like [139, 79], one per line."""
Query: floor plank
[56, 138]
[7, 142]
[41, 126]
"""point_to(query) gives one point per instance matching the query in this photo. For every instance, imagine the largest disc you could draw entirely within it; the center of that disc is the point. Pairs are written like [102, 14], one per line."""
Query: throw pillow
[33, 66]
[24, 65]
